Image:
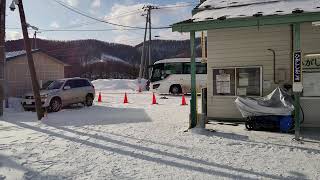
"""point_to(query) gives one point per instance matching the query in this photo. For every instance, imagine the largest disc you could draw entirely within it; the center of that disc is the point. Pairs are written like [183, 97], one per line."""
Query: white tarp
[276, 103]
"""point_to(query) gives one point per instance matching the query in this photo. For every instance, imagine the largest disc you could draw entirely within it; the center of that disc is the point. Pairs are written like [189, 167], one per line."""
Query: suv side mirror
[66, 88]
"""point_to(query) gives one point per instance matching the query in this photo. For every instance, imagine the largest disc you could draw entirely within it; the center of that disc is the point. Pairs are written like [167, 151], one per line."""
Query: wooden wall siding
[246, 47]
[18, 75]
[310, 38]
[310, 43]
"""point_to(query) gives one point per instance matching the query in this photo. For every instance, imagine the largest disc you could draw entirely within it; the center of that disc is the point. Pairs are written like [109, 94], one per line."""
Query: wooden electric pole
[27, 44]
[2, 52]
[142, 63]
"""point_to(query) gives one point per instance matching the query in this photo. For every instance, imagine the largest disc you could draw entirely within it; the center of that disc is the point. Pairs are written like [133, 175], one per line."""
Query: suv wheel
[55, 105]
[89, 100]
[176, 89]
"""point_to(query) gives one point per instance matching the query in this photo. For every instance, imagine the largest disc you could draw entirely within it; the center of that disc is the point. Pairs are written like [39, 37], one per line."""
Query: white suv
[61, 93]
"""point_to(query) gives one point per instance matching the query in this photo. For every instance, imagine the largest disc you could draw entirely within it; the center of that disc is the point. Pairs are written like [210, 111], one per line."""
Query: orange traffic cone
[99, 97]
[125, 101]
[183, 103]
[154, 100]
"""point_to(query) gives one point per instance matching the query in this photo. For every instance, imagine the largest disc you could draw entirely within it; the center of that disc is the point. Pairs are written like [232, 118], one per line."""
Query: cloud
[129, 15]
[128, 39]
[96, 3]
[169, 35]
[54, 24]
[13, 35]
[72, 2]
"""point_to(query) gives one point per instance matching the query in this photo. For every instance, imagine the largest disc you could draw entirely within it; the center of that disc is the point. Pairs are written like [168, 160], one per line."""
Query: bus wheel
[175, 89]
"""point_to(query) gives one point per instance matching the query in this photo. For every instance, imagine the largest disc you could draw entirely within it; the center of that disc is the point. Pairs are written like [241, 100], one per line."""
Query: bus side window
[186, 68]
[201, 68]
[173, 68]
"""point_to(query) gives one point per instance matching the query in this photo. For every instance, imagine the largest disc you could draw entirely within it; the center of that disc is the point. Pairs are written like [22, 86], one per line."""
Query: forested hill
[98, 59]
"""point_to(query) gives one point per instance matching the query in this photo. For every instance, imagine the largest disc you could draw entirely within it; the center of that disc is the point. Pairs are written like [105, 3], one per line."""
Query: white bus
[172, 76]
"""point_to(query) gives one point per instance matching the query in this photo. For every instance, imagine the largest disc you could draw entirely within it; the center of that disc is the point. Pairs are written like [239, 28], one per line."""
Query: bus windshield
[157, 72]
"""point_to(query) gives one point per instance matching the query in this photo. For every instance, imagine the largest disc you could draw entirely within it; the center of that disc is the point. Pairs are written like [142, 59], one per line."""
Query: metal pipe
[274, 65]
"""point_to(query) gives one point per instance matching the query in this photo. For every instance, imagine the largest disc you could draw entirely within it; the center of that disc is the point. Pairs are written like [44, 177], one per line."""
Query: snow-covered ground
[119, 85]
[112, 140]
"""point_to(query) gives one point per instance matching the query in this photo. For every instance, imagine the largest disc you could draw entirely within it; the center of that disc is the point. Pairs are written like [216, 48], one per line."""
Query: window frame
[236, 79]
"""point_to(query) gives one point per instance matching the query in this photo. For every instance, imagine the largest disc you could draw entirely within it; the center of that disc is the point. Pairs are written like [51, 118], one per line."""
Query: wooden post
[2, 52]
[27, 44]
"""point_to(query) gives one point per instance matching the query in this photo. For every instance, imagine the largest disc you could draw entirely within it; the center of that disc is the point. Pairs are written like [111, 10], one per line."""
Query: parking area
[138, 140]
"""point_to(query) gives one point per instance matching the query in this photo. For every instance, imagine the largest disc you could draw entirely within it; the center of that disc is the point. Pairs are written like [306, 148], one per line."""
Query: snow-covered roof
[226, 9]
[173, 60]
[13, 54]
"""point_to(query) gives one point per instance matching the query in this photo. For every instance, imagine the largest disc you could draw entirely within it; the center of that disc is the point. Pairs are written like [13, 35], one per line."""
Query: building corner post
[193, 102]
[297, 94]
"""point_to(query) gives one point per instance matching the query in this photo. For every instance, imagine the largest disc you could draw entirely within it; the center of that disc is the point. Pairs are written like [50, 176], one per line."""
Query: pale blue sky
[48, 14]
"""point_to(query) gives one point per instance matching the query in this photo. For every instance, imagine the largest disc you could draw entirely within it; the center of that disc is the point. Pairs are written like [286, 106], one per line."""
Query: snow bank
[119, 84]
[15, 104]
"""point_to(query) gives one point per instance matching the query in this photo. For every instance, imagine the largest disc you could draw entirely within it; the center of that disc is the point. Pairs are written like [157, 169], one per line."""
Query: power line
[177, 6]
[82, 30]
[96, 22]
[85, 30]
[101, 20]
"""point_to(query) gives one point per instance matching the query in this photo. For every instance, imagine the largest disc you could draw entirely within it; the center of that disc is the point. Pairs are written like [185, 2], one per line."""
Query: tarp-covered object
[276, 103]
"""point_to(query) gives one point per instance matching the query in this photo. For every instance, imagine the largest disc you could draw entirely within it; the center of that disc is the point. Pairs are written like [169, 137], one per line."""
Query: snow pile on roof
[229, 3]
[118, 84]
[212, 9]
[15, 53]
[174, 60]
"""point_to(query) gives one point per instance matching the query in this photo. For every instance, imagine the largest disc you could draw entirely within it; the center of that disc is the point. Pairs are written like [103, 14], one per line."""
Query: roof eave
[246, 22]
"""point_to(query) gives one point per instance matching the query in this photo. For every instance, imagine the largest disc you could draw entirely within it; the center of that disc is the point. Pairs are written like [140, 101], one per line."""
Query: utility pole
[149, 47]
[2, 51]
[144, 71]
[35, 40]
[27, 44]
[143, 50]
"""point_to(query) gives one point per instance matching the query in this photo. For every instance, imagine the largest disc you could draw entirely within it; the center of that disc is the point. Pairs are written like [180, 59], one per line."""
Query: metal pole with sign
[297, 77]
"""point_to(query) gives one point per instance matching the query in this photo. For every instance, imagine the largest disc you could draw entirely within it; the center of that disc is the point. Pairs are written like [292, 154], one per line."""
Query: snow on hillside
[118, 84]
[107, 58]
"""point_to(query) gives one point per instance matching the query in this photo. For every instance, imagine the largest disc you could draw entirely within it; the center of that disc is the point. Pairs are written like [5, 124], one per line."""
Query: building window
[237, 81]
[248, 81]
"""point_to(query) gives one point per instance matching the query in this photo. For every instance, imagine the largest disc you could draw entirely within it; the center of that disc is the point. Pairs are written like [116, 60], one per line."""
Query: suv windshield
[46, 85]
[55, 85]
